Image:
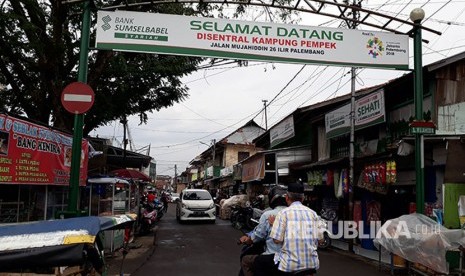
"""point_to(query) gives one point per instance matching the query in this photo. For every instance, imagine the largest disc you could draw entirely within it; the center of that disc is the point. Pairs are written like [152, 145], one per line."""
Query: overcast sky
[225, 98]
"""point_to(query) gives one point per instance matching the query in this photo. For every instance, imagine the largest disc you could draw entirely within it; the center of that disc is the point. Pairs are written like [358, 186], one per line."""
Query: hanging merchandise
[393, 172]
[336, 183]
[309, 177]
[357, 211]
[376, 177]
[330, 178]
[315, 178]
[339, 193]
[365, 176]
[345, 181]
[373, 211]
[388, 172]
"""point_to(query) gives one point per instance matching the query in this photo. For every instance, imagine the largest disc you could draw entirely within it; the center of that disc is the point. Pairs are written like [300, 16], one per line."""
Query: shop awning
[334, 161]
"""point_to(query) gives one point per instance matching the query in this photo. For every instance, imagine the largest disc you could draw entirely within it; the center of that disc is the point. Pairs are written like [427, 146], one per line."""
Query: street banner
[249, 40]
[369, 110]
[34, 154]
[253, 168]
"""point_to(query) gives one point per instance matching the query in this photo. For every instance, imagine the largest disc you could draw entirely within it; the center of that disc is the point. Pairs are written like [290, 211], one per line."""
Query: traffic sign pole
[79, 118]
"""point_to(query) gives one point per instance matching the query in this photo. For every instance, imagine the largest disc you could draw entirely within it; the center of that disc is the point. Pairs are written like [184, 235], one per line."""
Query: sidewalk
[139, 252]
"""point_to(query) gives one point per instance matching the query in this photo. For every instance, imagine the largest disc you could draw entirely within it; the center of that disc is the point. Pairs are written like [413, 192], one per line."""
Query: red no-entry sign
[77, 97]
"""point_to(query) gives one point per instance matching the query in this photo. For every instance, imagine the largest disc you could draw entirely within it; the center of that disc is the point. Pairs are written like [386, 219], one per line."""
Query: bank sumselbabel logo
[375, 47]
[106, 19]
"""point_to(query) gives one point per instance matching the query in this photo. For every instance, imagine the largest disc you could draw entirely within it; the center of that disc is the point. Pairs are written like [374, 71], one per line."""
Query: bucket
[398, 261]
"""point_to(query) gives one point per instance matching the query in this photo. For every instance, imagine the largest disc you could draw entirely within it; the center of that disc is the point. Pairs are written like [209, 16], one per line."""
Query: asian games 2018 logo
[375, 47]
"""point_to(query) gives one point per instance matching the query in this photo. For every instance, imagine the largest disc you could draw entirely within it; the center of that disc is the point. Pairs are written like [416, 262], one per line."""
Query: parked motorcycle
[149, 216]
[160, 208]
[243, 217]
[323, 227]
[326, 215]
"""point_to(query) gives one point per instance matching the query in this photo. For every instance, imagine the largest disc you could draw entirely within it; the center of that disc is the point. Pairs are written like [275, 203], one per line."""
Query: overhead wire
[275, 98]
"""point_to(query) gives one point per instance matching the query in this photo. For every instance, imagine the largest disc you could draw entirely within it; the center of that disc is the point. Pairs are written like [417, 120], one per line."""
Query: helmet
[276, 197]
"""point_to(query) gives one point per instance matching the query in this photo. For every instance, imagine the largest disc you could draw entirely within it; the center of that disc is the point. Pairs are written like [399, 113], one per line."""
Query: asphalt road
[210, 249]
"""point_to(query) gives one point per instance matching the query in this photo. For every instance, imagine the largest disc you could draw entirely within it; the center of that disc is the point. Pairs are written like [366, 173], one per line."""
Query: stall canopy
[131, 174]
[55, 243]
[107, 180]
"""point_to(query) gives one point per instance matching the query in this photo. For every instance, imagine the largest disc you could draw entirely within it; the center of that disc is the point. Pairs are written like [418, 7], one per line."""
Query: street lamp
[417, 15]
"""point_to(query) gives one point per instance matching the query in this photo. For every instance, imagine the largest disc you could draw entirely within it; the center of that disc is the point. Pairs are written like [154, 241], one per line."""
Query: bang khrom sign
[34, 154]
[220, 38]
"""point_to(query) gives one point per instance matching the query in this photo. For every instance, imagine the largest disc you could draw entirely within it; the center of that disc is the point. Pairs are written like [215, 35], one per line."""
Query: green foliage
[39, 53]
[39, 56]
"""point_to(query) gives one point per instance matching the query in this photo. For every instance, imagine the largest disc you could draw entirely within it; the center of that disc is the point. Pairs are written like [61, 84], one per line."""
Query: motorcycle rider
[297, 230]
[165, 200]
[258, 240]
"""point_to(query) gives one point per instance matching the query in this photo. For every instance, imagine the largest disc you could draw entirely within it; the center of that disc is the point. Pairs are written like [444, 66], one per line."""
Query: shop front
[35, 163]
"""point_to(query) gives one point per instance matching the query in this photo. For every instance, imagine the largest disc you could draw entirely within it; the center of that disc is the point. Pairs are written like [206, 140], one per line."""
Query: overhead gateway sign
[219, 38]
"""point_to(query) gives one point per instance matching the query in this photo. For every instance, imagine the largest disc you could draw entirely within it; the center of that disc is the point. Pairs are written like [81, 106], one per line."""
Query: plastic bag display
[235, 200]
[419, 239]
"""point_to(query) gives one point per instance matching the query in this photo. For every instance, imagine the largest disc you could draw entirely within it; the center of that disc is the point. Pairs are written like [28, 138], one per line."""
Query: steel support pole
[418, 82]
[79, 118]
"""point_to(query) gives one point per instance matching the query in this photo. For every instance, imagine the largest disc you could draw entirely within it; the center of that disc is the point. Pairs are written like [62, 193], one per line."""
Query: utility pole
[213, 151]
[176, 177]
[266, 119]
[124, 121]
[353, 75]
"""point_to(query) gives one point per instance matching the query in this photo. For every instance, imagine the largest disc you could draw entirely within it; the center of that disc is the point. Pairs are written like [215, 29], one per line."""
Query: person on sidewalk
[296, 228]
[261, 232]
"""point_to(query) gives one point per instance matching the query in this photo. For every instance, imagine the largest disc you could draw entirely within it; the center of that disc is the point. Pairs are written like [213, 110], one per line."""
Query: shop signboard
[227, 171]
[420, 127]
[249, 40]
[338, 121]
[369, 110]
[34, 154]
[209, 172]
[282, 131]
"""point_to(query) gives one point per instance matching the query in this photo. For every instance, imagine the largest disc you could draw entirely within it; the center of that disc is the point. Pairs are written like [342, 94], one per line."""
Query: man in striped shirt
[296, 228]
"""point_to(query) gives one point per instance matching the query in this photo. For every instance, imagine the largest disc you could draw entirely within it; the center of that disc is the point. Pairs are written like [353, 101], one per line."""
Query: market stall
[35, 170]
[110, 196]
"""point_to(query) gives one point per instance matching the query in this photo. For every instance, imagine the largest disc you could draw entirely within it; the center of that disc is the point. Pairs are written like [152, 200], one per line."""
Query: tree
[39, 53]
[39, 50]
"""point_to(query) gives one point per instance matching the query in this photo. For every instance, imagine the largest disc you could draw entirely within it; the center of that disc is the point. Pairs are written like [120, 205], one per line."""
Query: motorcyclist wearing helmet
[261, 232]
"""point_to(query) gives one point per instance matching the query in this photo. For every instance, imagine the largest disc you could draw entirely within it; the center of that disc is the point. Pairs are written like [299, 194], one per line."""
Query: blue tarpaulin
[54, 242]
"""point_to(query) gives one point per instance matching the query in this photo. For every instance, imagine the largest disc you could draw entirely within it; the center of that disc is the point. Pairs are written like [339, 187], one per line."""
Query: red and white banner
[34, 154]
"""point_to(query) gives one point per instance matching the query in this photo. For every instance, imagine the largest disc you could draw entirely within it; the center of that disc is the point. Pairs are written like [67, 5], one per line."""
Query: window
[197, 195]
[242, 155]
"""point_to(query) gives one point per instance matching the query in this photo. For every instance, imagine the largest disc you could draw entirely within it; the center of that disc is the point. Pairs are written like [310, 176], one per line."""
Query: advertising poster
[36, 155]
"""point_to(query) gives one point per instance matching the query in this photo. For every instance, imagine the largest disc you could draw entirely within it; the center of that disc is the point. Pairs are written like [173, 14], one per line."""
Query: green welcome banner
[220, 38]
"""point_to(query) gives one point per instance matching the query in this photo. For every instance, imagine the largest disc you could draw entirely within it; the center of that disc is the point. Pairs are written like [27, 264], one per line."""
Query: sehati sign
[220, 38]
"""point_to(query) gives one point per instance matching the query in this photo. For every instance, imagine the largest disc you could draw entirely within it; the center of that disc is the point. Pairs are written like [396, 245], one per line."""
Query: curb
[140, 251]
